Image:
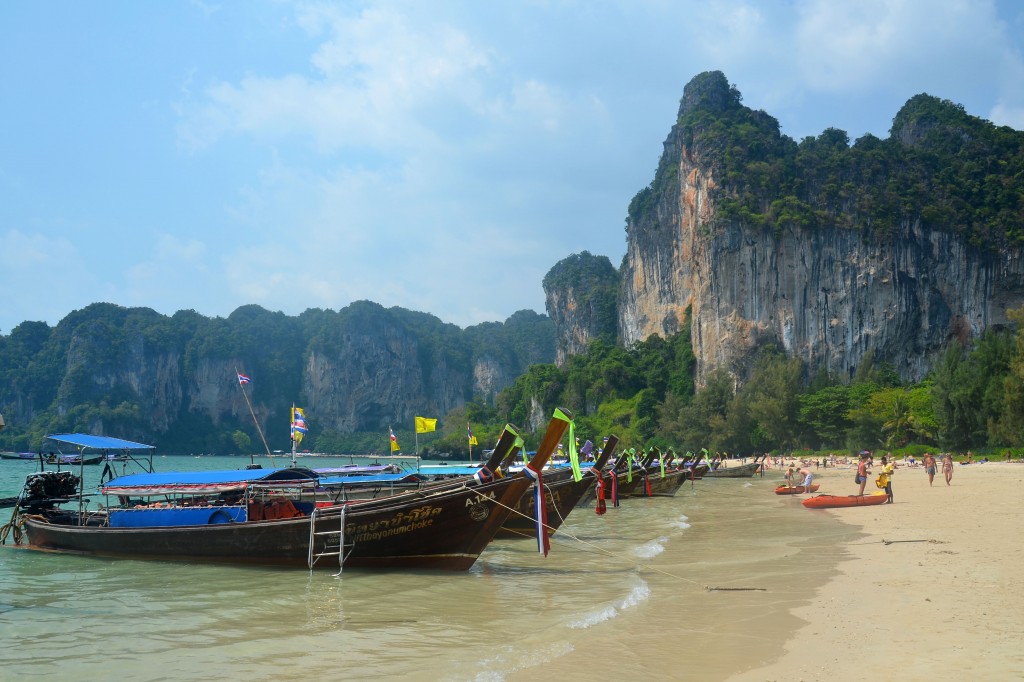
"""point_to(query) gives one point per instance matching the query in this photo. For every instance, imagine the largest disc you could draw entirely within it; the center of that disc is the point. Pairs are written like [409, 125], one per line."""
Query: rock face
[825, 293]
[172, 381]
[581, 293]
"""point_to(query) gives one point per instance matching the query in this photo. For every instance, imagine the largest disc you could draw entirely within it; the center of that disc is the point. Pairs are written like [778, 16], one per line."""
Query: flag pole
[291, 431]
[254, 421]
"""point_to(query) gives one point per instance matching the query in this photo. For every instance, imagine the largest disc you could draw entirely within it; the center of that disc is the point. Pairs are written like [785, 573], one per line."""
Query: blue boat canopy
[85, 440]
[206, 482]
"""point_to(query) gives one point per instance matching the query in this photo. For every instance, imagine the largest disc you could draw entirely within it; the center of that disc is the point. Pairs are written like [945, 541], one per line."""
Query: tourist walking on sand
[947, 467]
[929, 467]
[862, 472]
[885, 479]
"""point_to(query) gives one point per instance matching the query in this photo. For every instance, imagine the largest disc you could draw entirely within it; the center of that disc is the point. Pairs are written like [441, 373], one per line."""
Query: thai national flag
[242, 379]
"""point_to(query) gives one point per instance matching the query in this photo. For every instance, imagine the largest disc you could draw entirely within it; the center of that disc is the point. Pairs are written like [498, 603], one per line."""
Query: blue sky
[439, 156]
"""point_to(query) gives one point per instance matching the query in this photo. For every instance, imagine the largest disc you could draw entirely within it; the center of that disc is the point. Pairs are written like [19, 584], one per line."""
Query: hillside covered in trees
[171, 381]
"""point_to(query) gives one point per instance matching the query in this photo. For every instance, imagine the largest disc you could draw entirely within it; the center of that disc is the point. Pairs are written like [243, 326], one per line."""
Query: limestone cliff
[581, 294]
[171, 381]
[812, 266]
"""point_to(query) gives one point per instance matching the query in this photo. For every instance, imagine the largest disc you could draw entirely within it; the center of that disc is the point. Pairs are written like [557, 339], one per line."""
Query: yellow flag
[424, 425]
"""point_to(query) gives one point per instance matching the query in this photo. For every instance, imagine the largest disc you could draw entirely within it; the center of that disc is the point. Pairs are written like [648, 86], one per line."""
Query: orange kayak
[832, 501]
[795, 489]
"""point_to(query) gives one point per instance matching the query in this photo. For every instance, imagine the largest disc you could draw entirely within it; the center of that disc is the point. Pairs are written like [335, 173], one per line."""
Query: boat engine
[46, 489]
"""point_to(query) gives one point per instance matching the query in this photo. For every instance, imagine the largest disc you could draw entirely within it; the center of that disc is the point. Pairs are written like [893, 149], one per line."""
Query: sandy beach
[931, 591]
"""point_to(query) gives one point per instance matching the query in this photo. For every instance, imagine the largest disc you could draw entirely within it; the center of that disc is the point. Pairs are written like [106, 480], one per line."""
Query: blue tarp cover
[449, 469]
[175, 516]
[203, 481]
[85, 440]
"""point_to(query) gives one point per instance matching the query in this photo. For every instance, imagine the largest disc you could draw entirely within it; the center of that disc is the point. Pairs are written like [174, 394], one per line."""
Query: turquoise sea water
[622, 593]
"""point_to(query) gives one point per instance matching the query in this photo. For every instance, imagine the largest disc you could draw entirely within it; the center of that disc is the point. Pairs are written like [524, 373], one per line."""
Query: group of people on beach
[884, 479]
[947, 466]
[889, 466]
[803, 475]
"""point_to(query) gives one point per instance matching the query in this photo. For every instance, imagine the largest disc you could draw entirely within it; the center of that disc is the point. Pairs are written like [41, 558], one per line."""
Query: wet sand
[930, 591]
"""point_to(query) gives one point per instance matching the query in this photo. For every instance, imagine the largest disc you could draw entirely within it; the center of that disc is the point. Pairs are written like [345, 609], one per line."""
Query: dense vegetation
[136, 374]
[594, 284]
[940, 165]
[974, 398]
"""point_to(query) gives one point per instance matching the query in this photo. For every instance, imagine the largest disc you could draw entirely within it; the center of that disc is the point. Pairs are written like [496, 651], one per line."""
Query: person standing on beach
[862, 472]
[888, 466]
[929, 467]
[947, 467]
[808, 477]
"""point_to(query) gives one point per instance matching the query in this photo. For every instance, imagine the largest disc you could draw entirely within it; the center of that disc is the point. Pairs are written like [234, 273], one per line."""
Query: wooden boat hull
[662, 486]
[74, 461]
[742, 471]
[698, 472]
[837, 501]
[795, 489]
[624, 488]
[559, 497]
[20, 456]
[443, 529]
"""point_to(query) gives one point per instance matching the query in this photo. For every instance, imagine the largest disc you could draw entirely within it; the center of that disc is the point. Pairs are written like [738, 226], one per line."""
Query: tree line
[972, 399]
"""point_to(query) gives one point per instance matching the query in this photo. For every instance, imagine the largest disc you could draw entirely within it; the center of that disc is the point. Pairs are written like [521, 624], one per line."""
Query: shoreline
[937, 601]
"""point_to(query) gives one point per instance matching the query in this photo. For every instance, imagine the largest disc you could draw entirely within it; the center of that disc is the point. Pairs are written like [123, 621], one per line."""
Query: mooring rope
[597, 548]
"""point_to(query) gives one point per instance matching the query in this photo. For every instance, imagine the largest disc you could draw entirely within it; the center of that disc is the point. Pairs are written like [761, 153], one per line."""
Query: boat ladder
[315, 533]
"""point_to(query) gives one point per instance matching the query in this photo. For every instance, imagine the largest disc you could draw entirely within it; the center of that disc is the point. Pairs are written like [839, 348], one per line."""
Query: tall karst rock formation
[825, 249]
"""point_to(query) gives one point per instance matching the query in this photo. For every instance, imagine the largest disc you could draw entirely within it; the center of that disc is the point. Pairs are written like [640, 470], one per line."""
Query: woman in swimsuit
[947, 467]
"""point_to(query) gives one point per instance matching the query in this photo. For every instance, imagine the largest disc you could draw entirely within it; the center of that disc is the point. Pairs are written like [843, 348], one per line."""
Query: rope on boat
[591, 545]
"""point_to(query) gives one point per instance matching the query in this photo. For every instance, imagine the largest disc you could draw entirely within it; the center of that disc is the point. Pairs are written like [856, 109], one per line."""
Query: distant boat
[73, 460]
[23, 456]
[741, 471]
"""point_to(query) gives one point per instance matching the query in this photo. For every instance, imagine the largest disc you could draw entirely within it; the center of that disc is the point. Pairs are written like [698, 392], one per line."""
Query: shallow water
[619, 593]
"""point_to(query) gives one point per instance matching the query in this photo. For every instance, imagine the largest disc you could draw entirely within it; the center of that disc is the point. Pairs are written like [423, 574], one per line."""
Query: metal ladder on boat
[314, 556]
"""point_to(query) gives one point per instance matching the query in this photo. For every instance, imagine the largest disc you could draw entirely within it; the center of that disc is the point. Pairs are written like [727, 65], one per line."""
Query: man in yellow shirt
[885, 478]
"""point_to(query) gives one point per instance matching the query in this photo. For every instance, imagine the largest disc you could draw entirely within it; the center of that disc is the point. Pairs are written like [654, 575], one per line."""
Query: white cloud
[1007, 115]
[855, 46]
[378, 77]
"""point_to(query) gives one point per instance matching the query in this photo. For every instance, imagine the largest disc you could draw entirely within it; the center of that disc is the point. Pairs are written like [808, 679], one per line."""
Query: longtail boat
[22, 456]
[268, 517]
[663, 482]
[633, 475]
[740, 471]
[608, 484]
[73, 460]
[561, 493]
[338, 486]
